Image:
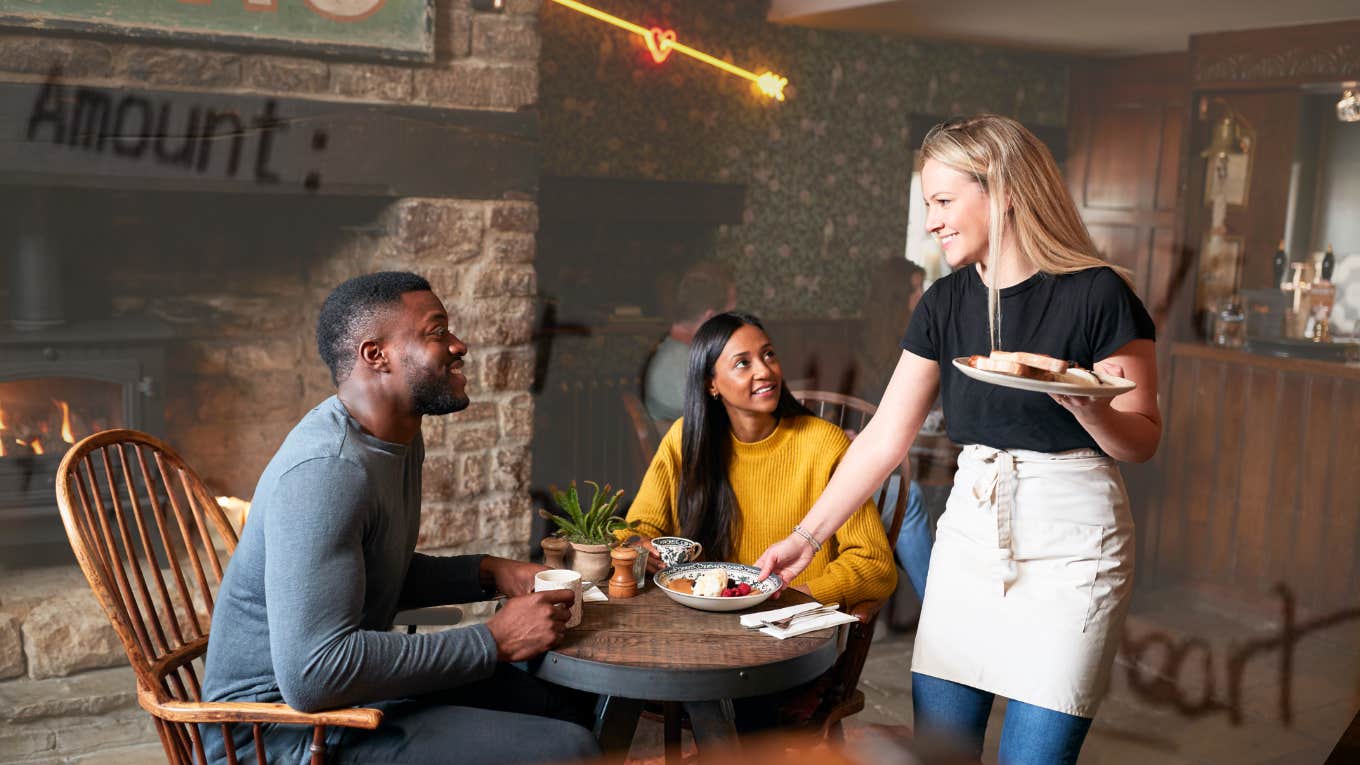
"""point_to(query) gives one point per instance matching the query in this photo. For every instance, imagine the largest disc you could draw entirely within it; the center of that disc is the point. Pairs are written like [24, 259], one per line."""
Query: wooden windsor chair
[153, 544]
[843, 697]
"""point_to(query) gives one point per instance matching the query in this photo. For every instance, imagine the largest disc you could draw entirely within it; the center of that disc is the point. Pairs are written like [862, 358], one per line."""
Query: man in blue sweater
[328, 558]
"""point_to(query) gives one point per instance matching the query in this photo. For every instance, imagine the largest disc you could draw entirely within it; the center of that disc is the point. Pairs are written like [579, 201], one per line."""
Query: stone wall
[241, 279]
[243, 293]
[483, 60]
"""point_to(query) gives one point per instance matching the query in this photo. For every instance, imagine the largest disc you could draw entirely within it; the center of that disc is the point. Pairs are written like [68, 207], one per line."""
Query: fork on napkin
[798, 626]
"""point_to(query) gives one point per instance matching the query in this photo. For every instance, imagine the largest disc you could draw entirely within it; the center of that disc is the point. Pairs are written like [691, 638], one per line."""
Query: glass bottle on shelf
[1281, 263]
[1322, 298]
[1230, 322]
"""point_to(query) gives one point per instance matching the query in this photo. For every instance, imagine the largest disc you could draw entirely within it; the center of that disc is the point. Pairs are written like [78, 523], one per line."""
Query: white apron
[1030, 578]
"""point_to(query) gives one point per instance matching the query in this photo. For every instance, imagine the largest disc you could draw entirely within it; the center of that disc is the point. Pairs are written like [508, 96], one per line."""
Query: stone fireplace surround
[240, 279]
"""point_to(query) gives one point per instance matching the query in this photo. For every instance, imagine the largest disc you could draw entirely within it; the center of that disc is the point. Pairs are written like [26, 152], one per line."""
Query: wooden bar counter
[1260, 476]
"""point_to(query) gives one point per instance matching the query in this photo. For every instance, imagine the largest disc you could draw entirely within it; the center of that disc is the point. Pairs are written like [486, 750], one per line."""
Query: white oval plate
[737, 572]
[1113, 386]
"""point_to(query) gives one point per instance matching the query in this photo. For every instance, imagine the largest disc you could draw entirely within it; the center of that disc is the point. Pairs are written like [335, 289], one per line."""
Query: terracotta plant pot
[593, 562]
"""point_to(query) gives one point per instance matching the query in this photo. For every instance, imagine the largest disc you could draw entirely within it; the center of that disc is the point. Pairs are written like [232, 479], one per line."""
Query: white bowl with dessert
[716, 586]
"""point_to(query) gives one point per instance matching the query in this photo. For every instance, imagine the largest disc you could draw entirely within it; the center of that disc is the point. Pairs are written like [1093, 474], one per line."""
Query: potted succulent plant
[589, 530]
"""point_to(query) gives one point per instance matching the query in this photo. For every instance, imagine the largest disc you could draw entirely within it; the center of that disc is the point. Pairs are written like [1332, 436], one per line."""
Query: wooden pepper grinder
[554, 551]
[623, 584]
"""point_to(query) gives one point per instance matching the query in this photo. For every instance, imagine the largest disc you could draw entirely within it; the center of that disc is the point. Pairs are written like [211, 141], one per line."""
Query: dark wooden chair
[153, 544]
[644, 427]
[841, 696]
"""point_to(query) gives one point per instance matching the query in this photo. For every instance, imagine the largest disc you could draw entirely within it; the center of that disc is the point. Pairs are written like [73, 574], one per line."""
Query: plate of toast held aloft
[1041, 374]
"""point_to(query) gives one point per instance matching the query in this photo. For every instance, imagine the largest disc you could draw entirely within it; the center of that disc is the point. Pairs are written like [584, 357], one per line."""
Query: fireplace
[180, 298]
[58, 385]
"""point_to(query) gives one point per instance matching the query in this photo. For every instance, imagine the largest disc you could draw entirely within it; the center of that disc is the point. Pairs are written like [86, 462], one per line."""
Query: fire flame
[65, 421]
[34, 434]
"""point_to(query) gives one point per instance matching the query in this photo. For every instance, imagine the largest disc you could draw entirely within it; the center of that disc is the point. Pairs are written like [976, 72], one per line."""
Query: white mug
[562, 579]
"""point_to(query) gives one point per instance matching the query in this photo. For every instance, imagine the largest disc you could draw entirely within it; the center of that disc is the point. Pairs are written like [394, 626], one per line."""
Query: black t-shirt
[1082, 317]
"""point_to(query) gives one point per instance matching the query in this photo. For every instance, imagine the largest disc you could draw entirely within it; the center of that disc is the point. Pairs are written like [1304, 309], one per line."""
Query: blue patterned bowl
[737, 572]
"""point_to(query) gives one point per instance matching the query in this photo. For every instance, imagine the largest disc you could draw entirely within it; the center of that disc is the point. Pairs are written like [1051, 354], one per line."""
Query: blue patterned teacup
[676, 550]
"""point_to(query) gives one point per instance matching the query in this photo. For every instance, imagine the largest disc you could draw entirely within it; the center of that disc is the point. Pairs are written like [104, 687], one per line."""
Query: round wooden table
[650, 648]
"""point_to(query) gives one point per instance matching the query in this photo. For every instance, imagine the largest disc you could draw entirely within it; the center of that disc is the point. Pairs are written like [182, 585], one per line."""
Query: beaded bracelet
[802, 532]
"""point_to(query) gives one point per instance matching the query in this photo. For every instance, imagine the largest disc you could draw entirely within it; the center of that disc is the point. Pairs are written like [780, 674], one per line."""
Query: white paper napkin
[810, 624]
[752, 620]
[799, 627]
[592, 594]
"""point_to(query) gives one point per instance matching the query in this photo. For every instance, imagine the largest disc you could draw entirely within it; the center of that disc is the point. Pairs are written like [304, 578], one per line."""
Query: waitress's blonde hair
[1012, 166]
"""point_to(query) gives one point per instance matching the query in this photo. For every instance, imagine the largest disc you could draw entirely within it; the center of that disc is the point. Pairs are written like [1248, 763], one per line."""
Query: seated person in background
[893, 294]
[705, 289]
[327, 559]
[742, 466]
[747, 460]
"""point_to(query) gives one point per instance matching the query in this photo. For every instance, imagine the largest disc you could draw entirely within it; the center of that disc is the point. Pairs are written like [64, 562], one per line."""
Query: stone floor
[1165, 707]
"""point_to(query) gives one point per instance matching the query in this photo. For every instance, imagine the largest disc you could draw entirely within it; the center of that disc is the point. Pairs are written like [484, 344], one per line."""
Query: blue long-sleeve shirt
[325, 561]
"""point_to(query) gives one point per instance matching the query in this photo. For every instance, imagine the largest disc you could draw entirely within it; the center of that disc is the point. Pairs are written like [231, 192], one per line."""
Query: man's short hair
[703, 288]
[350, 310]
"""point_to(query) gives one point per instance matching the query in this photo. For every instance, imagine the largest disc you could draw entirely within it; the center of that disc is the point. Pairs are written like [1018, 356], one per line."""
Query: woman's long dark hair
[708, 509]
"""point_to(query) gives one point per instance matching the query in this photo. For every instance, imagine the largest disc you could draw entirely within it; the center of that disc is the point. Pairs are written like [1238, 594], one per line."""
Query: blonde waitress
[1033, 561]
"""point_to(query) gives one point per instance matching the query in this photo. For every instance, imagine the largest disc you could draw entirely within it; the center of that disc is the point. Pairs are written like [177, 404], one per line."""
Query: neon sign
[661, 42]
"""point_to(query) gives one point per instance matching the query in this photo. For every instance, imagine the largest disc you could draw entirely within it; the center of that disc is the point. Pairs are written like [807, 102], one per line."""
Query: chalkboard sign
[382, 29]
[69, 134]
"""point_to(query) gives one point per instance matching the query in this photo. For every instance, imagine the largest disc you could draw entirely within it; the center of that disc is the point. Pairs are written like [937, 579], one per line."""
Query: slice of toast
[1035, 366]
[1046, 363]
[1036, 360]
[993, 364]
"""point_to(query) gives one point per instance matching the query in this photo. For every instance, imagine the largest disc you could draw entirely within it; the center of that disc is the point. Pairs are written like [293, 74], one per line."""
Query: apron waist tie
[996, 488]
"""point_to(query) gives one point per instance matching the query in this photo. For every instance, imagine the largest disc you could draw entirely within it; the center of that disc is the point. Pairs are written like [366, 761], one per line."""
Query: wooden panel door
[1125, 127]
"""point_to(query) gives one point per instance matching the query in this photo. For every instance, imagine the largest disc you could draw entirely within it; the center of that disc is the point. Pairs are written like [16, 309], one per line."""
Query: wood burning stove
[58, 385]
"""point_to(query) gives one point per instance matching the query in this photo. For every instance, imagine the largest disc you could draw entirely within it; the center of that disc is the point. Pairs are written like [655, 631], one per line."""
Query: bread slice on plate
[1040, 361]
[1035, 366]
[996, 365]
[1008, 366]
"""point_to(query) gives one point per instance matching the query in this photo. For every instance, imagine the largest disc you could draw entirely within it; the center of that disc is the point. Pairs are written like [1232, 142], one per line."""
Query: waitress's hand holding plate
[1085, 407]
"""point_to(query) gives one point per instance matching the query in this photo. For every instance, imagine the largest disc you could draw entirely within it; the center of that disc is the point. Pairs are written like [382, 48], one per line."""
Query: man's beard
[433, 394]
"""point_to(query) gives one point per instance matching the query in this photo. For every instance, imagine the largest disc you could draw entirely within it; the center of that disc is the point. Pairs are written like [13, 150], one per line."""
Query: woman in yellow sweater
[746, 461]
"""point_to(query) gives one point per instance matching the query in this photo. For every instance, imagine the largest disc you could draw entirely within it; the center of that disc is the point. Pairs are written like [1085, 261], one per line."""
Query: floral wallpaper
[827, 170]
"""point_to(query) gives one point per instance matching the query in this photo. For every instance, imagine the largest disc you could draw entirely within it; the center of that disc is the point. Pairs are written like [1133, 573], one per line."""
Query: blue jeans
[956, 713]
[915, 540]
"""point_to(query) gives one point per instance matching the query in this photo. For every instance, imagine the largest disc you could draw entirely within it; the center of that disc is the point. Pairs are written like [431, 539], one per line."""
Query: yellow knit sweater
[775, 481]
